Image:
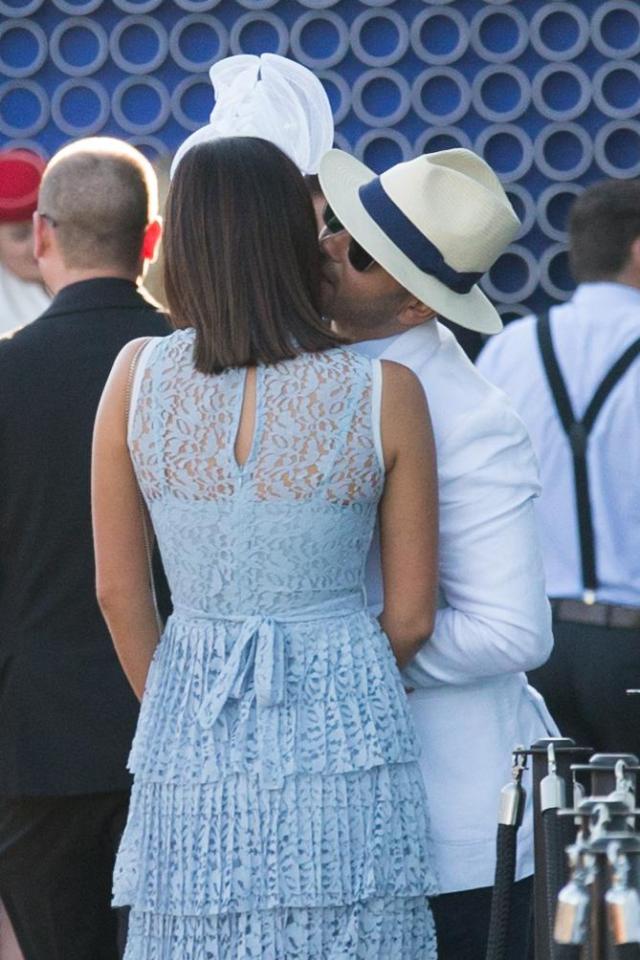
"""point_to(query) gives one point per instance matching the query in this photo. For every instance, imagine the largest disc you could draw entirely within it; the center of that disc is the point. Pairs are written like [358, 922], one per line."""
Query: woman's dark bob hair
[242, 264]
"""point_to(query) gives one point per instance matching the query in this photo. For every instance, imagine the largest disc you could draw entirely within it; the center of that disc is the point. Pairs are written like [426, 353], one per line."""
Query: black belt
[596, 614]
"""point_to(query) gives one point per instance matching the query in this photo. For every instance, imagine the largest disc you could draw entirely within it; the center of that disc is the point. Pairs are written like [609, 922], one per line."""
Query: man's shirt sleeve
[497, 618]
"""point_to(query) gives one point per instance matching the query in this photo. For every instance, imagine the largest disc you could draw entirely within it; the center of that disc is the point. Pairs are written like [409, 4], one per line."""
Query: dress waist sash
[256, 664]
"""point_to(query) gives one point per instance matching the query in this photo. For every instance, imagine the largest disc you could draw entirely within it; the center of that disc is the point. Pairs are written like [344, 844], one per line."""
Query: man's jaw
[346, 325]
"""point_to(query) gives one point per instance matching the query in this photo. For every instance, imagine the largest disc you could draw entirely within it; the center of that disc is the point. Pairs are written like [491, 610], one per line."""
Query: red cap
[20, 175]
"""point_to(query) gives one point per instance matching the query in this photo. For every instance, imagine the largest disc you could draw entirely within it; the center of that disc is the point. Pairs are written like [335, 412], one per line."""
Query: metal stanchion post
[553, 791]
[512, 802]
[564, 754]
[612, 795]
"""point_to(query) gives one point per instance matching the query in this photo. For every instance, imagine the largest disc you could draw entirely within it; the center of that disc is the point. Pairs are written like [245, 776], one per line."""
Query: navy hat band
[406, 236]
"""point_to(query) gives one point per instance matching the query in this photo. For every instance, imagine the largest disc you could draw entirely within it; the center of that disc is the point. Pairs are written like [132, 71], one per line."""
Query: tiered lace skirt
[278, 812]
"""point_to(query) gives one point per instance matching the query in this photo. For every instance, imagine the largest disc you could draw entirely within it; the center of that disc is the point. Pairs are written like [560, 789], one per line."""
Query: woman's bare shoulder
[401, 385]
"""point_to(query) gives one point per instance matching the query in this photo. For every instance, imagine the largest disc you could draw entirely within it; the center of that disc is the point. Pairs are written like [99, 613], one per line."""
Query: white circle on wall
[437, 75]
[130, 66]
[526, 288]
[604, 10]
[194, 20]
[332, 57]
[177, 109]
[77, 9]
[8, 9]
[600, 148]
[379, 60]
[458, 136]
[36, 91]
[600, 78]
[37, 33]
[572, 130]
[512, 311]
[196, 6]
[335, 79]
[497, 55]
[391, 77]
[257, 4]
[135, 126]
[380, 135]
[137, 6]
[544, 13]
[78, 23]
[250, 20]
[153, 143]
[491, 72]
[525, 206]
[545, 200]
[25, 143]
[80, 129]
[319, 4]
[432, 56]
[551, 70]
[550, 254]
[341, 142]
[523, 140]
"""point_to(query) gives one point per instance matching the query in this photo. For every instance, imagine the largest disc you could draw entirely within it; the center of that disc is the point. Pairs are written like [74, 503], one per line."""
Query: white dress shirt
[589, 333]
[472, 705]
[20, 301]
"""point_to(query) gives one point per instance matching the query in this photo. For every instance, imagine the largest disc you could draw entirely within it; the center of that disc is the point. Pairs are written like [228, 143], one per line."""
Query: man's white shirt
[590, 333]
[20, 301]
[471, 704]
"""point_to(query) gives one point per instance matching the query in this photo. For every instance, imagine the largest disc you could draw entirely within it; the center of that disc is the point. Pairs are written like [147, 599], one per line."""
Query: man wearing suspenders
[574, 377]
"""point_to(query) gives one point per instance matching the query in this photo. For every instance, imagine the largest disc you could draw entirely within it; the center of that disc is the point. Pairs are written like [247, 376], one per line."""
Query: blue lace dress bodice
[278, 811]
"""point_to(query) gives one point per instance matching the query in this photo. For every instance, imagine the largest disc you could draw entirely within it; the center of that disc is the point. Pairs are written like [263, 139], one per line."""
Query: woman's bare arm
[122, 573]
[408, 513]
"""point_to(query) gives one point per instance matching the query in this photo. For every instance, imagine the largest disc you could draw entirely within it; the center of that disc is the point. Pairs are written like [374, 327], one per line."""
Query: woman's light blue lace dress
[278, 812]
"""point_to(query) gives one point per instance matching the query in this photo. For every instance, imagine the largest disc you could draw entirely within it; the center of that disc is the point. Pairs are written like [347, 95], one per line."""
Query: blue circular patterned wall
[547, 92]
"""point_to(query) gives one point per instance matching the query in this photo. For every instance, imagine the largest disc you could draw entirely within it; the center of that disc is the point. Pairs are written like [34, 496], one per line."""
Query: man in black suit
[67, 714]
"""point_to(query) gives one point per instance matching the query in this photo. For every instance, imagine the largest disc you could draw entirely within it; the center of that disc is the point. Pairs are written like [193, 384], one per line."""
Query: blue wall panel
[548, 92]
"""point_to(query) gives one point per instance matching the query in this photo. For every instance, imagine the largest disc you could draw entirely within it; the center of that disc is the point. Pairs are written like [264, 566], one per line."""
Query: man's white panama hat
[272, 98]
[436, 224]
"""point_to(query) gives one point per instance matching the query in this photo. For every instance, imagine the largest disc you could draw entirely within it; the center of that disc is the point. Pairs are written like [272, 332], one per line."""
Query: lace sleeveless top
[289, 530]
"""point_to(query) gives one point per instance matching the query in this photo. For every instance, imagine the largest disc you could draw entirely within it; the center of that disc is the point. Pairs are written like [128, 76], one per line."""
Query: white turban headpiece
[272, 98]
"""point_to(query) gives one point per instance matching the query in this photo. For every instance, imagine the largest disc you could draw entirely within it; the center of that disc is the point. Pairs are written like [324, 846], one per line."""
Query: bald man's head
[100, 193]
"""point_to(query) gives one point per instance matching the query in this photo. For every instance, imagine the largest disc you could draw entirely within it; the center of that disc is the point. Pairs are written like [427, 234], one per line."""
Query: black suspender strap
[577, 437]
[617, 371]
[554, 376]
[577, 432]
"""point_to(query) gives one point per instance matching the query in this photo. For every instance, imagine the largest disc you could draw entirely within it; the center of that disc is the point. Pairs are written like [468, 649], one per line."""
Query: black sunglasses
[359, 259]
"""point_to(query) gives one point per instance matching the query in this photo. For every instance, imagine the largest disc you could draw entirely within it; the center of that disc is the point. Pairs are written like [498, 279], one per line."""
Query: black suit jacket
[67, 714]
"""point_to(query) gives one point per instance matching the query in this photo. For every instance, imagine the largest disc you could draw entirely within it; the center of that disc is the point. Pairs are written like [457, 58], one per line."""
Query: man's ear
[151, 239]
[42, 231]
[414, 312]
[634, 254]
